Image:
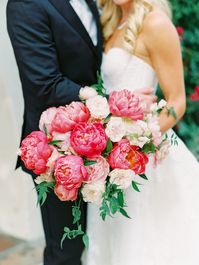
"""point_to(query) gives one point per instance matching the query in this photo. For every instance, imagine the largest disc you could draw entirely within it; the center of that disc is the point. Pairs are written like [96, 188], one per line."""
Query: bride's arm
[163, 46]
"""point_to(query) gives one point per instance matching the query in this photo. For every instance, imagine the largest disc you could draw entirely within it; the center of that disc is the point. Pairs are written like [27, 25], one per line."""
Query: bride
[142, 49]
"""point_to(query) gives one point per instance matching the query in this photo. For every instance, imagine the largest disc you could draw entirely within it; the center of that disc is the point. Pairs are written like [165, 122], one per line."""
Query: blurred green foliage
[186, 19]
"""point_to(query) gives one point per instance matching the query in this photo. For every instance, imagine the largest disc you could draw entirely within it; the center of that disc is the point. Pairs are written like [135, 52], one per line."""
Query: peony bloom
[89, 139]
[125, 104]
[46, 119]
[67, 117]
[126, 156]
[70, 172]
[122, 177]
[115, 129]
[98, 171]
[35, 152]
[98, 107]
[47, 176]
[87, 92]
[93, 192]
[64, 194]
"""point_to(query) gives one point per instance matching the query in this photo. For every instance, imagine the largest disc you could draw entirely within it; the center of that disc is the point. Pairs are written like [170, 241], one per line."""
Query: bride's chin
[122, 2]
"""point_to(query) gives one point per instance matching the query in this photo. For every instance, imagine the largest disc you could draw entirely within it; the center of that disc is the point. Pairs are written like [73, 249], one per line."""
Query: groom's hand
[146, 96]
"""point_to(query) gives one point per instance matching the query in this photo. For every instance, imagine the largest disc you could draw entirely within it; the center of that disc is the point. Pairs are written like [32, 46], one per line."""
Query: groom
[58, 49]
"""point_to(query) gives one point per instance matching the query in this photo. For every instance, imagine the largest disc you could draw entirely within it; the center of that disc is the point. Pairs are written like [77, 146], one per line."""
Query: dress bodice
[122, 70]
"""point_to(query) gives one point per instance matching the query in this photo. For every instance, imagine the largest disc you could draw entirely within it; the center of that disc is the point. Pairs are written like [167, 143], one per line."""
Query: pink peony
[126, 156]
[67, 117]
[35, 152]
[125, 104]
[70, 171]
[89, 139]
[64, 194]
[46, 119]
[98, 171]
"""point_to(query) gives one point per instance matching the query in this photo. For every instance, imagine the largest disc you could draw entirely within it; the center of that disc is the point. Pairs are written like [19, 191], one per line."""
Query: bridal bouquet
[92, 150]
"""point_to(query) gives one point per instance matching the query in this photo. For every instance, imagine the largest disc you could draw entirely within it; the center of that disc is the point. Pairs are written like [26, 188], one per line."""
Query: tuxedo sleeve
[31, 36]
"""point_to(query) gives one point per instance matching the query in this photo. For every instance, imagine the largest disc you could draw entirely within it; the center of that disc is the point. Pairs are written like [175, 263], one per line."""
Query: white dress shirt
[86, 16]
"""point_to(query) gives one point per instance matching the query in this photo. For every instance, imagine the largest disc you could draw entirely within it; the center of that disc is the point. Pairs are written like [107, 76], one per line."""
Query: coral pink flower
[64, 194]
[67, 117]
[98, 171]
[35, 152]
[89, 139]
[126, 156]
[46, 119]
[70, 171]
[125, 104]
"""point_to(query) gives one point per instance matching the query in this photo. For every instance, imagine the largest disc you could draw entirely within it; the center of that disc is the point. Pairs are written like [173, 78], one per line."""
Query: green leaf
[135, 186]
[76, 212]
[42, 190]
[148, 148]
[62, 240]
[121, 198]
[85, 239]
[143, 176]
[114, 205]
[45, 129]
[55, 142]
[107, 118]
[171, 111]
[89, 162]
[109, 147]
[124, 213]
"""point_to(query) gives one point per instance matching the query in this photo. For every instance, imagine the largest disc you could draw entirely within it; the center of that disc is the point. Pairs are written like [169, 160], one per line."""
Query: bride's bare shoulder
[158, 28]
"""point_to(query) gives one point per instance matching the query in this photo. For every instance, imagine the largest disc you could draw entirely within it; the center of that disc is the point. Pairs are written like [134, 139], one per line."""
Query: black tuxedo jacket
[54, 54]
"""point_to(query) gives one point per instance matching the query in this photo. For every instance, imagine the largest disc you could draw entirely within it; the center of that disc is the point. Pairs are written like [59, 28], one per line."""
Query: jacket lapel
[66, 10]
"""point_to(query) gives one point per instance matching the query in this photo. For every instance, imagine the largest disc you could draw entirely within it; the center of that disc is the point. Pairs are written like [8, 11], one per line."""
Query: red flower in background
[180, 31]
[195, 95]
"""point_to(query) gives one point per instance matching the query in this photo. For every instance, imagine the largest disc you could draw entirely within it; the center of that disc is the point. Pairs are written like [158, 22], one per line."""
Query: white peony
[122, 177]
[98, 107]
[87, 92]
[115, 129]
[93, 192]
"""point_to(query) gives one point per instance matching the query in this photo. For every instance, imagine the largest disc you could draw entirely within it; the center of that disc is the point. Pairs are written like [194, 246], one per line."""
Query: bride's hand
[146, 96]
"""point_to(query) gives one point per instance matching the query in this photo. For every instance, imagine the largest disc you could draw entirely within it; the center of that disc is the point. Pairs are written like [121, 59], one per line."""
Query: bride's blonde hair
[111, 15]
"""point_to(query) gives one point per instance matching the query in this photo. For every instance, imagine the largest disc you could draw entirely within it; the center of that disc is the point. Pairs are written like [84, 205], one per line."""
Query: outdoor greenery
[186, 19]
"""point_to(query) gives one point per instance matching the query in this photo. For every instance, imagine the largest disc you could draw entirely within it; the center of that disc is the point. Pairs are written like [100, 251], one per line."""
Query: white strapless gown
[164, 229]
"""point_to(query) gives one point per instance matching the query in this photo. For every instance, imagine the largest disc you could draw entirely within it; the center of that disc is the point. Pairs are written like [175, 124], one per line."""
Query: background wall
[186, 19]
[19, 215]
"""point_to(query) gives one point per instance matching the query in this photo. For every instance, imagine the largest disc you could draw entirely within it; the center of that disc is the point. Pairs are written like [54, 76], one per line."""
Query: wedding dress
[164, 224]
